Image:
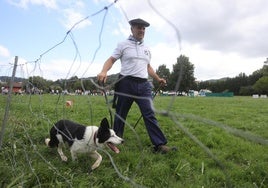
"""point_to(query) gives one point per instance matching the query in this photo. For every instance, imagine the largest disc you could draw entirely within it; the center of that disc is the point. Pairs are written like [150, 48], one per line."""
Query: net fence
[30, 163]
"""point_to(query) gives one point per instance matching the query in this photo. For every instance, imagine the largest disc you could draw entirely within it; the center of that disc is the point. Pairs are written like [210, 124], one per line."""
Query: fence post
[8, 102]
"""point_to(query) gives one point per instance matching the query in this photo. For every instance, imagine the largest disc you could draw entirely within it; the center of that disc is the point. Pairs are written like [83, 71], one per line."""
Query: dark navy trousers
[132, 89]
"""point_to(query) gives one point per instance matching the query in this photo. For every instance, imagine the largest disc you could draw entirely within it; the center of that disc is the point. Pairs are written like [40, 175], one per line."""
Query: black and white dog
[83, 139]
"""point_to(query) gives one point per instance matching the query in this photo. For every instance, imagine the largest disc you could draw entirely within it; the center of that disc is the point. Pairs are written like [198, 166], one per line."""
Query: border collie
[83, 139]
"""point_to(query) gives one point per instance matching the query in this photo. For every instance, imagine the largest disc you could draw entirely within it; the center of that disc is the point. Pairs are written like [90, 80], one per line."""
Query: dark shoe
[163, 149]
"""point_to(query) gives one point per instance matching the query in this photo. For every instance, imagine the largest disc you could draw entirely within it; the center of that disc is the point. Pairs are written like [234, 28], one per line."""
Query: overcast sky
[222, 38]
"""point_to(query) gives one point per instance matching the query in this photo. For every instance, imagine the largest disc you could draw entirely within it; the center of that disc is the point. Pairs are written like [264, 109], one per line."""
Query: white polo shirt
[134, 57]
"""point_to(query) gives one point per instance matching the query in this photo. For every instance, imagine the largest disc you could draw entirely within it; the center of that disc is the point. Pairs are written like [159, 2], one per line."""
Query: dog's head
[108, 137]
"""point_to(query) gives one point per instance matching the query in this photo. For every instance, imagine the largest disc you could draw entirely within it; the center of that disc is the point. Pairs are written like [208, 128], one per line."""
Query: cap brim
[139, 22]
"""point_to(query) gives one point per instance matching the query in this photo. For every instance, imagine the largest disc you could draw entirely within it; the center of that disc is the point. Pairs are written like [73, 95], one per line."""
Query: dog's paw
[47, 141]
[64, 158]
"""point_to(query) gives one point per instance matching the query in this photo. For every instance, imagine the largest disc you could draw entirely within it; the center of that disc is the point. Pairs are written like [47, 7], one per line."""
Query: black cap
[139, 21]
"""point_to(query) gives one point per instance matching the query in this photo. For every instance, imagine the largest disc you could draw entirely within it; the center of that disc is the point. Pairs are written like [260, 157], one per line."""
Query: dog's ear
[103, 131]
[104, 123]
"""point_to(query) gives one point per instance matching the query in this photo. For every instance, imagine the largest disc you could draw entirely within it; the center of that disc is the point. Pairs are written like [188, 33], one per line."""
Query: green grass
[25, 161]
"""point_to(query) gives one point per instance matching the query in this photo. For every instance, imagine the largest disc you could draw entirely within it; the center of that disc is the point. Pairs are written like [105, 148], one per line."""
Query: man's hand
[102, 77]
[162, 81]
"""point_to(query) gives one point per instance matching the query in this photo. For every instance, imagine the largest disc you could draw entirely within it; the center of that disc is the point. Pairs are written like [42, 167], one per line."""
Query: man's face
[138, 31]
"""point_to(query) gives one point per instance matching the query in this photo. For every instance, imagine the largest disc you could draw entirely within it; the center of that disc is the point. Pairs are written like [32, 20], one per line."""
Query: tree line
[179, 79]
[182, 79]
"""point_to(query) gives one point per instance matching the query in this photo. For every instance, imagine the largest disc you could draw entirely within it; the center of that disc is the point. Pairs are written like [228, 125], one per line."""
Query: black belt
[136, 79]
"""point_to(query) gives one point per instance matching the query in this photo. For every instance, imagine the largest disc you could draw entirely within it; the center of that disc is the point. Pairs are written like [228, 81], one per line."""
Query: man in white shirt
[135, 60]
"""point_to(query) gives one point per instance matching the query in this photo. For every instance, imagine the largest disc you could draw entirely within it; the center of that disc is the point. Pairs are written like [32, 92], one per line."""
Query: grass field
[222, 143]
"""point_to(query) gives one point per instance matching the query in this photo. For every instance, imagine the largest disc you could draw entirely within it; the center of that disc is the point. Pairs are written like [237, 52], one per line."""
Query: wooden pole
[8, 102]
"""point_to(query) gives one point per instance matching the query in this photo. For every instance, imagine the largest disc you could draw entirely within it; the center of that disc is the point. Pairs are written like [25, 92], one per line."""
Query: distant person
[135, 59]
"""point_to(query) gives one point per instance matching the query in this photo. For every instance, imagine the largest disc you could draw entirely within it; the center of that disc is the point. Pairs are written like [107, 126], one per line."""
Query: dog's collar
[95, 137]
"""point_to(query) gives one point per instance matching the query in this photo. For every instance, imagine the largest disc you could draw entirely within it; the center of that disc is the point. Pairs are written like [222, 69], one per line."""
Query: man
[133, 85]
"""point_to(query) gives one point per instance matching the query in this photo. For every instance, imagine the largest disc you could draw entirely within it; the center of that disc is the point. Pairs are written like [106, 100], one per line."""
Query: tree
[261, 86]
[265, 70]
[246, 90]
[36, 84]
[236, 83]
[255, 76]
[183, 75]
[163, 72]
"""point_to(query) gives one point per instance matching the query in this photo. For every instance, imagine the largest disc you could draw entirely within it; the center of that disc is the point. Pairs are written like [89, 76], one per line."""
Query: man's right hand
[102, 76]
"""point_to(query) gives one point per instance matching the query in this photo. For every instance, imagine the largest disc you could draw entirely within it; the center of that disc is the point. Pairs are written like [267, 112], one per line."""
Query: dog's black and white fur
[83, 139]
